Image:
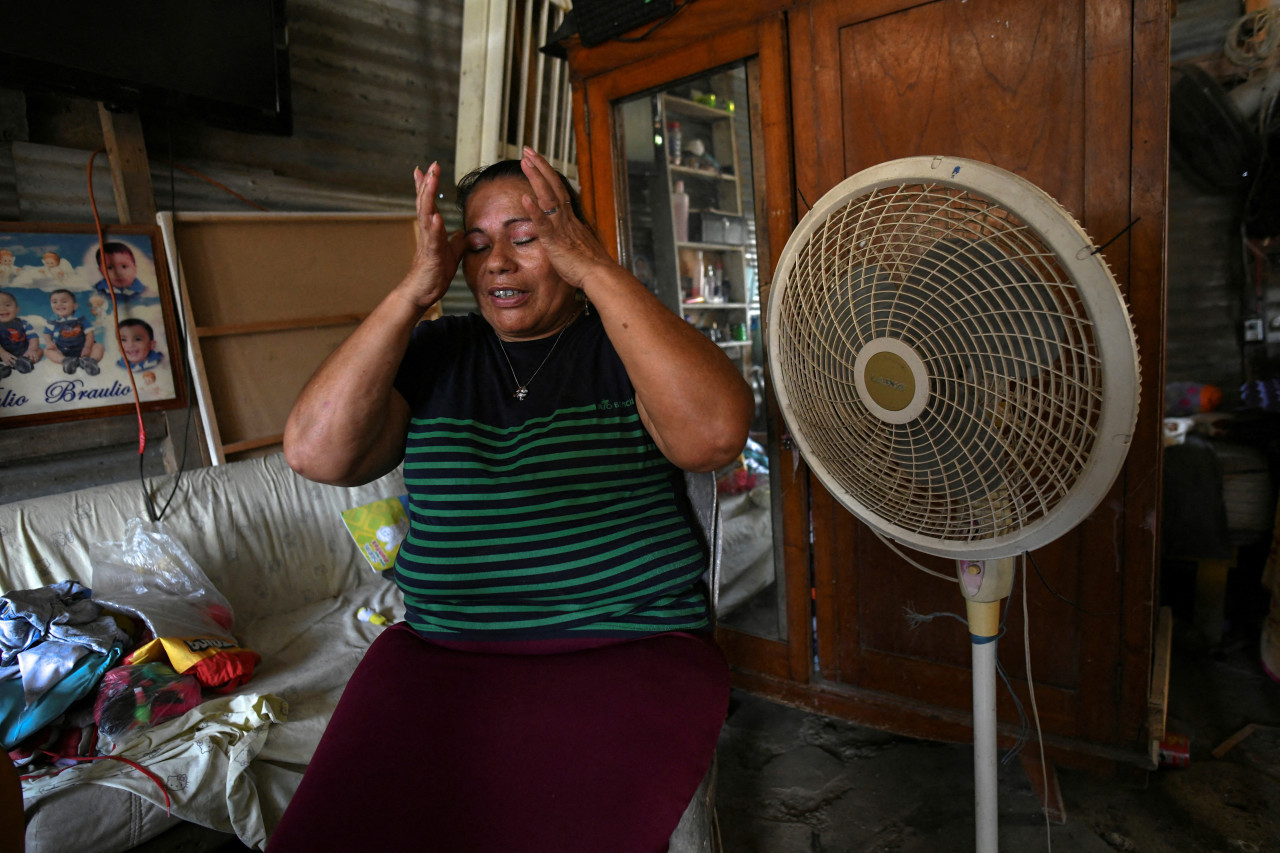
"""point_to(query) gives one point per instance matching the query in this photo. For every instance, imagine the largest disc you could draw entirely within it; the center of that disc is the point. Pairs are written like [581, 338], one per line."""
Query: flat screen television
[226, 61]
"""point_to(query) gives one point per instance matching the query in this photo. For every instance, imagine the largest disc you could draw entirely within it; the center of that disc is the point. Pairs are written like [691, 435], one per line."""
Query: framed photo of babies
[75, 342]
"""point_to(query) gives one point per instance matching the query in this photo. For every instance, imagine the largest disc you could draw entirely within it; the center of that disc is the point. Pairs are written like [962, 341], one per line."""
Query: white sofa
[275, 546]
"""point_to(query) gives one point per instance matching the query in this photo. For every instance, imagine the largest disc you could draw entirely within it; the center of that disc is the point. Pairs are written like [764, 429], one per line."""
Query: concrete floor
[794, 782]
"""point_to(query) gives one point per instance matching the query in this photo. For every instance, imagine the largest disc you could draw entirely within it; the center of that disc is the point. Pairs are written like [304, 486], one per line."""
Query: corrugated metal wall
[374, 85]
[1205, 282]
[1206, 262]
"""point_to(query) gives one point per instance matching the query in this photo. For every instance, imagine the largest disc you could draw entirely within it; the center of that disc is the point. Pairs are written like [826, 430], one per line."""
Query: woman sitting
[555, 685]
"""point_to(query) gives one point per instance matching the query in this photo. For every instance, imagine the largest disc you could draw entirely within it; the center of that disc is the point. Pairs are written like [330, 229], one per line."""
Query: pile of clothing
[56, 643]
[75, 667]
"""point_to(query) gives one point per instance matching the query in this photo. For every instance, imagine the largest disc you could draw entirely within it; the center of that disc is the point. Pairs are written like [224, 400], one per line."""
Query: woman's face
[518, 290]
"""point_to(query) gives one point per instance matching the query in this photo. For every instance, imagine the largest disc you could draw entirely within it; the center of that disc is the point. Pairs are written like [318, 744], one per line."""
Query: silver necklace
[522, 388]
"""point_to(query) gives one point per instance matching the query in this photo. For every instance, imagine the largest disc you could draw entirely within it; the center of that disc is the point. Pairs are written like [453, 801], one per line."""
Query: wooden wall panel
[244, 268]
[253, 379]
[266, 298]
[986, 80]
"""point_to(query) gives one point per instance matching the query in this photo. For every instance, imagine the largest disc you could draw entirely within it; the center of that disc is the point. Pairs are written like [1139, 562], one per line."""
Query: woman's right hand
[436, 259]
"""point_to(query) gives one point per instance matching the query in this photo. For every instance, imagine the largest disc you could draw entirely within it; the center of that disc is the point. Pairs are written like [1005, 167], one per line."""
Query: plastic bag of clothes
[150, 576]
[135, 697]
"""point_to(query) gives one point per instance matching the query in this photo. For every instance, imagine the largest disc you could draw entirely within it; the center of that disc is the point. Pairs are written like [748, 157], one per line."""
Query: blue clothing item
[68, 334]
[16, 335]
[18, 721]
[55, 616]
[63, 611]
[135, 288]
[151, 359]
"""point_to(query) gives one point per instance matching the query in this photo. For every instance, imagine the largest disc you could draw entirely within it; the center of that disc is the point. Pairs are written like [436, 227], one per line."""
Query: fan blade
[1010, 323]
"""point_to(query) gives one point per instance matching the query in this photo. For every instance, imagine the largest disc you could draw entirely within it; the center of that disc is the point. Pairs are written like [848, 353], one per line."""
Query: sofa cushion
[268, 539]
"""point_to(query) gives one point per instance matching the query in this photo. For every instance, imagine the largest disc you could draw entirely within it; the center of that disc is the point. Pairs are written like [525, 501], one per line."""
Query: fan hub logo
[889, 381]
[892, 380]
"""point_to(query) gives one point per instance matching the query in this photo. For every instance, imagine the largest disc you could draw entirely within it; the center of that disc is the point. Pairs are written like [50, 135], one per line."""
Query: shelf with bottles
[696, 172]
[712, 276]
[733, 335]
[701, 154]
[707, 105]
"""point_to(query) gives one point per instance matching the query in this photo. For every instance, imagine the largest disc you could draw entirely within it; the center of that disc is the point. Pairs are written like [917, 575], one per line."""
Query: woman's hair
[510, 169]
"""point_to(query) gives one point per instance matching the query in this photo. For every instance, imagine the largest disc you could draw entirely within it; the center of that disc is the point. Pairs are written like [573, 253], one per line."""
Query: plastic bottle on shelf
[713, 282]
[680, 212]
[675, 143]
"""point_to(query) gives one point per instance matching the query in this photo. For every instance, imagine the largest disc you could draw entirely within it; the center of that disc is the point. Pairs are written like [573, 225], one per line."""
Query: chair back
[701, 488]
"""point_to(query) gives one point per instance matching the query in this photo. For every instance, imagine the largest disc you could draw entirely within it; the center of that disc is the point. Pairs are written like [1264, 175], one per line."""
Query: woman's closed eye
[477, 248]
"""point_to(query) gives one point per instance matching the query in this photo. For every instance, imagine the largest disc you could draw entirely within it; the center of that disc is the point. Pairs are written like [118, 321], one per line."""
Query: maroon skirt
[522, 746]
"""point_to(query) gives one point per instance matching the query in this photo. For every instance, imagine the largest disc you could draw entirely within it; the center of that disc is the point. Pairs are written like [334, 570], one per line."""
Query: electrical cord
[1074, 604]
[895, 549]
[115, 314]
[226, 189]
[152, 513]
[1035, 712]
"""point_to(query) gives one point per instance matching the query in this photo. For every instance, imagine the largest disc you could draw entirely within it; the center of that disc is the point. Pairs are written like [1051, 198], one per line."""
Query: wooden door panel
[983, 80]
[1063, 609]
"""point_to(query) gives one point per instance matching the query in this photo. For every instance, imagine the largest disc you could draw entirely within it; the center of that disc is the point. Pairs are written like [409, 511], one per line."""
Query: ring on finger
[551, 211]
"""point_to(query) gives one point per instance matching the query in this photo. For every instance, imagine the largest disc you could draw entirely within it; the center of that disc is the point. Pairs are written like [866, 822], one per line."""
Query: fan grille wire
[1012, 363]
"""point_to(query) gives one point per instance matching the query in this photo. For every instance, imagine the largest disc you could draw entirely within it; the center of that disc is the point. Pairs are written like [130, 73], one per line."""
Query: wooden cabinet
[1070, 95]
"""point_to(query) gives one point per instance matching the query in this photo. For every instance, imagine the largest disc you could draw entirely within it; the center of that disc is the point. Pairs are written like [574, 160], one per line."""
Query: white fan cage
[1004, 311]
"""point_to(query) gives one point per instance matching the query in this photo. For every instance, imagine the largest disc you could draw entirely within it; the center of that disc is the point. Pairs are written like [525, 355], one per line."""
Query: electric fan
[955, 363]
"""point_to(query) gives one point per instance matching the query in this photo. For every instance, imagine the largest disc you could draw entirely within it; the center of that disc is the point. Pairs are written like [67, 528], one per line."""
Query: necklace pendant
[521, 393]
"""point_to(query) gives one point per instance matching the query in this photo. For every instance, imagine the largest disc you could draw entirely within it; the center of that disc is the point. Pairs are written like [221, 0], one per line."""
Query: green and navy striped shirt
[551, 517]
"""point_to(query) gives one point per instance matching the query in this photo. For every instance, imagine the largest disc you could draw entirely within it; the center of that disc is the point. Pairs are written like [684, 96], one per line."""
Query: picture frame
[100, 343]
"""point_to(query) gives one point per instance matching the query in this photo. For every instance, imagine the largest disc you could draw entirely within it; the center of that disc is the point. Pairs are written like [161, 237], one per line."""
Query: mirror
[688, 231]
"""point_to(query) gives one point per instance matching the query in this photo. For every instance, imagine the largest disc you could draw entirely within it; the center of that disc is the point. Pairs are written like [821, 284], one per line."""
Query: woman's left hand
[571, 246]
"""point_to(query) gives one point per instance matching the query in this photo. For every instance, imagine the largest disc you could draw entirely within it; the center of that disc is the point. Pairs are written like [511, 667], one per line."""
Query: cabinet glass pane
[688, 231]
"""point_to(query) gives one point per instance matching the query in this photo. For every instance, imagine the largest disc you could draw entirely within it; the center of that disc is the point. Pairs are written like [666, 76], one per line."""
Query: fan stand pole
[984, 625]
[984, 584]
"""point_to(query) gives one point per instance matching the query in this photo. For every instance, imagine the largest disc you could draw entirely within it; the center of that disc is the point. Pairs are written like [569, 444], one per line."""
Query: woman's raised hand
[435, 261]
[571, 246]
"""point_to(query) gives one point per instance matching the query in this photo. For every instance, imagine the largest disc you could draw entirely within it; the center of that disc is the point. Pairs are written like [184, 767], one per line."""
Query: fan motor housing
[891, 380]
